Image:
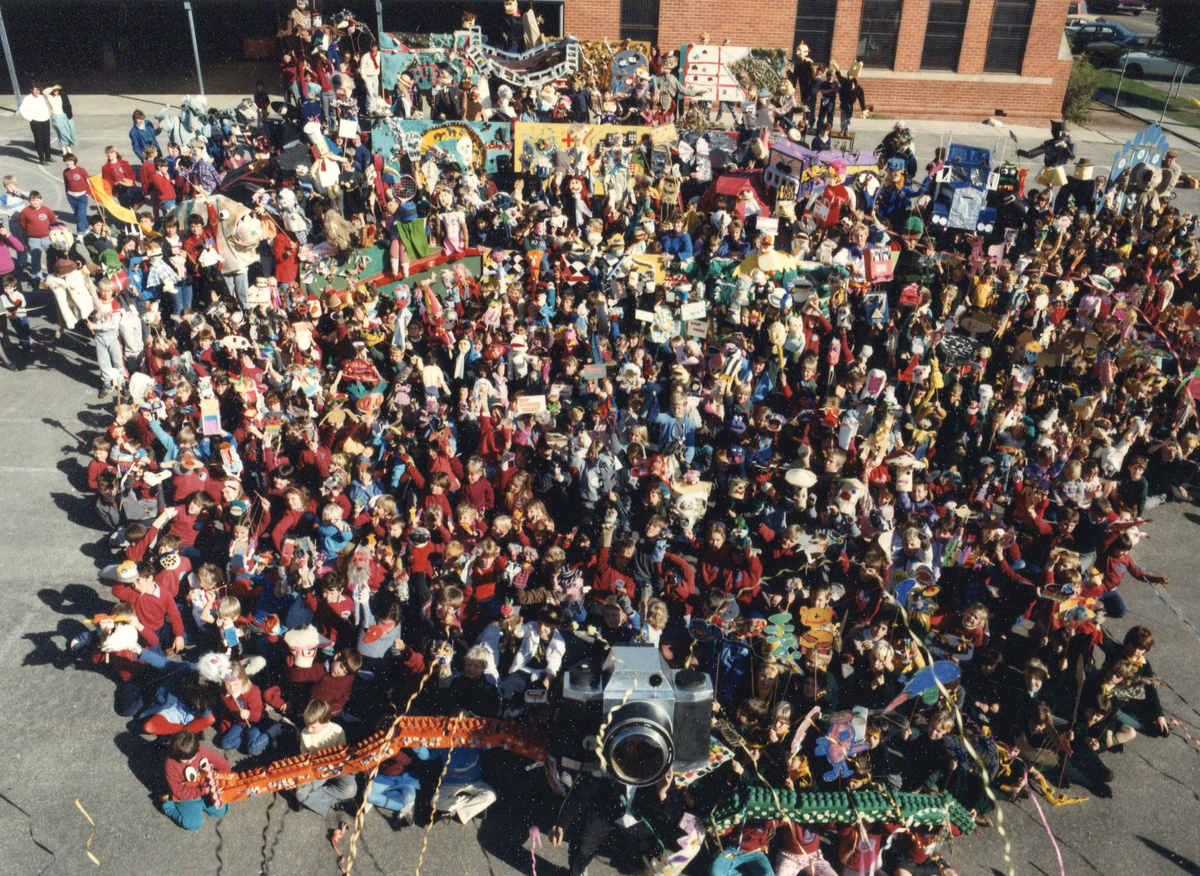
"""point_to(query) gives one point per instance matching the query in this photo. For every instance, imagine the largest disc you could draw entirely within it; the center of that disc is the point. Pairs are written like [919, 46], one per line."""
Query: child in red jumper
[101, 449]
[240, 714]
[155, 609]
[185, 769]
[335, 609]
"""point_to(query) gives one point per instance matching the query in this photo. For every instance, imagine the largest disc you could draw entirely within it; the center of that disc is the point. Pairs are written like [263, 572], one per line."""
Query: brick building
[952, 59]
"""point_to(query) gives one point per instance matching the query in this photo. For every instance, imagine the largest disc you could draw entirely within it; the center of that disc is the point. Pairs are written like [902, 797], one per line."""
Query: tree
[1179, 28]
[1077, 100]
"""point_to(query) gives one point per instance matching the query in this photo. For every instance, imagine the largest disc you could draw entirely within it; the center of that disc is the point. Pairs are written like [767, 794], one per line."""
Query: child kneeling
[185, 766]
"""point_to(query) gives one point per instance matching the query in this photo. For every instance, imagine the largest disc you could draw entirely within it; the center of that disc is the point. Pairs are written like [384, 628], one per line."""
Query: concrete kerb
[121, 104]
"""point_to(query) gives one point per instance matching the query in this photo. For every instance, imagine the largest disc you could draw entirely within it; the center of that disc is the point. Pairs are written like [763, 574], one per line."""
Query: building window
[877, 32]
[639, 20]
[814, 27]
[1009, 33]
[944, 34]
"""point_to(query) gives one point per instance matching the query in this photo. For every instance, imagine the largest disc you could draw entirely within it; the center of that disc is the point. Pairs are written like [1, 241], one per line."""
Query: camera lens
[638, 746]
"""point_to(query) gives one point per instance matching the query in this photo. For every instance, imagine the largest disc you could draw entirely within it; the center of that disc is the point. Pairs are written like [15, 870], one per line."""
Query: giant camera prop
[649, 717]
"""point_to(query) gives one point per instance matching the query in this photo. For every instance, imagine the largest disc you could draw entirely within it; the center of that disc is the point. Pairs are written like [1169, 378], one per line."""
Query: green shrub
[1077, 100]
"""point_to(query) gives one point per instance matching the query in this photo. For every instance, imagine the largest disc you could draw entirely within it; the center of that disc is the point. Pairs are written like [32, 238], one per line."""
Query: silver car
[1152, 64]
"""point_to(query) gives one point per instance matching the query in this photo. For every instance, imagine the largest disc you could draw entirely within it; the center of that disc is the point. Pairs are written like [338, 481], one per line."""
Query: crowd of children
[338, 503]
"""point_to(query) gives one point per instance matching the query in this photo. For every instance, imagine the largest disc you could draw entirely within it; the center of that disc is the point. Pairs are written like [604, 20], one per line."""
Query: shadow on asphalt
[1185, 865]
[75, 473]
[78, 509]
[22, 149]
[46, 650]
[51, 355]
[74, 599]
[145, 762]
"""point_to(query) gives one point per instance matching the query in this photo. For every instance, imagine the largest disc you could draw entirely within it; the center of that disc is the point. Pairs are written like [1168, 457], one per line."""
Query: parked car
[1074, 22]
[1133, 7]
[1153, 64]
[1104, 41]
[1103, 31]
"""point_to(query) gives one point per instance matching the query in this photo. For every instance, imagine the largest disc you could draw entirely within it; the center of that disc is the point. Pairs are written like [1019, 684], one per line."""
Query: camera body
[636, 717]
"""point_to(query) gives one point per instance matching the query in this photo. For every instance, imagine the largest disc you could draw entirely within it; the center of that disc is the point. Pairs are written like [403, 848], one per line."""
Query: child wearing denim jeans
[240, 725]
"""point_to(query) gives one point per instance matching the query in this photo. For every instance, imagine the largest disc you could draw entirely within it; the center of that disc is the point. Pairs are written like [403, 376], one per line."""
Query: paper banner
[210, 416]
[529, 404]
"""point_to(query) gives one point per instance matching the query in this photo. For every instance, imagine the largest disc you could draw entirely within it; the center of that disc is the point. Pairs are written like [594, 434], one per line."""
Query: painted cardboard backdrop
[482, 145]
[558, 141]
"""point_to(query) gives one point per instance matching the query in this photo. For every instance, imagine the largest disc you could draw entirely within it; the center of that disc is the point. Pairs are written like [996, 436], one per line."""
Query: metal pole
[562, 29]
[1170, 89]
[1121, 81]
[12, 69]
[378, 21]
[195, 48]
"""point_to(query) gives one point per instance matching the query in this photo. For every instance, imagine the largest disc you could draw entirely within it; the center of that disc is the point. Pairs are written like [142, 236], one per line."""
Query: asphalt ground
[66, 744]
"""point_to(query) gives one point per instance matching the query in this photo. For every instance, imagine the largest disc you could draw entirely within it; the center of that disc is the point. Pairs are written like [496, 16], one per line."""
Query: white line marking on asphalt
[34, 469]
[11, 640]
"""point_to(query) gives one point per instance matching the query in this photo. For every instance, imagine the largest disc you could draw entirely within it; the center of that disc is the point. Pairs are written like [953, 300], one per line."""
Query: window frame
[639, 29]
[1004, 29]
[930, 53]
[819, 42]
[870, 57]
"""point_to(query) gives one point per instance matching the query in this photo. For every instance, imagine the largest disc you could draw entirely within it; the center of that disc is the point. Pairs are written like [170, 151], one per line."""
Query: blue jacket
[331, 540]
[140, 138]
[678, 245]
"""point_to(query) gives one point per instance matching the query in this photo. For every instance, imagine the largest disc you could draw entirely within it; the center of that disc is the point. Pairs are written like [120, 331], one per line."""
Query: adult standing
[369, 66]
[62, 118]
[804, 79]
[75, 179]
[849, 92]
[35, 221]
[827, 93]
[35, 109]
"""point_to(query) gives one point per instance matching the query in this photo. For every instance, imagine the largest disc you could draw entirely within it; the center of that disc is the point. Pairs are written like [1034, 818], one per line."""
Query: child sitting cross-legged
[320, 732]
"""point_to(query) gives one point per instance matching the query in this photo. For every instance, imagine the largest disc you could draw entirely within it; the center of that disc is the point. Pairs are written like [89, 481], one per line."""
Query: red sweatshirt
[229, 711]
[610, 580]
[184, 525]
[189, 483]
[185, 778]
[152, 610]
[335, 690]
[95, 469]
[36, 221]
[137, 552]
[332, 619]
[480, 495]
